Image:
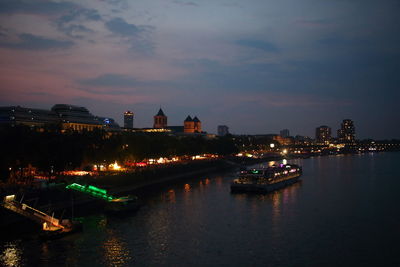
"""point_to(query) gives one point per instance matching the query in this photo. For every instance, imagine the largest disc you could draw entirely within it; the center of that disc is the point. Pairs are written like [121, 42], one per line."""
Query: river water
[344, 212]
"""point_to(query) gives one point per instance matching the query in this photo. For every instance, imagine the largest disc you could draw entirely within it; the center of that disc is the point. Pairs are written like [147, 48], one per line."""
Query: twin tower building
[190, 125]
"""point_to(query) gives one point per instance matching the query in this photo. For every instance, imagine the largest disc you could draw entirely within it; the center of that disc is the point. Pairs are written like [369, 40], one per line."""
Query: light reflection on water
[11, 254]
[116, 252]
[159, 234]
[187, 188]
[169, 196]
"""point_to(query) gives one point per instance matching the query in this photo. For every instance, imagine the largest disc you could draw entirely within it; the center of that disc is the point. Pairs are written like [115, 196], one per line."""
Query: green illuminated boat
[114, 204]
[91, 190]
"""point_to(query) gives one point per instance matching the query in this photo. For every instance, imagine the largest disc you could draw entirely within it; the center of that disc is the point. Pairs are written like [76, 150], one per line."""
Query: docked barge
[267, 179]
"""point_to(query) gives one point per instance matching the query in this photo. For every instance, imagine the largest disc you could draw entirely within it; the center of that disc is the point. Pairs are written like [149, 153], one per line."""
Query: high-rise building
[347, 132]
[160, 120]
[223, 130]
[284, 133]
[128, 119]
[323, 134]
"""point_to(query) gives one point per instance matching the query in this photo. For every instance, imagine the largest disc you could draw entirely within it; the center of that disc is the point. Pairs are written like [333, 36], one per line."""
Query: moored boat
[122, 204]
[266, 179]
[66, 227]
[113, 204]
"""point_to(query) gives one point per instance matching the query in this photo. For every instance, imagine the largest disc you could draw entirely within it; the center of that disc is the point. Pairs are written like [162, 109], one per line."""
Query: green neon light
[91, 190]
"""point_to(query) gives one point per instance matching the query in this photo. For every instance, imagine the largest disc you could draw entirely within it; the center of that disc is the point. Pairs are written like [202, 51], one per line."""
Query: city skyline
[65, 114]
[258, 67]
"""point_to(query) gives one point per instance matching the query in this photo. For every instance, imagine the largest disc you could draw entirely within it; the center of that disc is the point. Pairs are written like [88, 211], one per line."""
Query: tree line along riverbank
[51, 152]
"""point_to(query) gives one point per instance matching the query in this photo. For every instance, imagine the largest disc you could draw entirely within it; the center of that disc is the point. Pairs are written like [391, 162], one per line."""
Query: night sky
[256, 66]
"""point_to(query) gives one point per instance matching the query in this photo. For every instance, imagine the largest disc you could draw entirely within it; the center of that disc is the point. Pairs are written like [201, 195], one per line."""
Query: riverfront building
[128, 120]
[323, 134]
[16, 115]
[347, 132]
[76, 118]
[66, 117]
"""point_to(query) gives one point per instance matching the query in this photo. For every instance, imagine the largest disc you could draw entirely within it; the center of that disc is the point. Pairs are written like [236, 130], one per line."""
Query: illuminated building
[284, 133]
[197, 125]
[176, 129]
[302, 140]
[323, 134]
[128, 119]
[76, 118]
[66, 117]
[154, 130]
[347, 132]
[223, 130]
[160, 120]
[16, 115]
[192, 125]
[109, 124]
[188, 125]
[285, 141]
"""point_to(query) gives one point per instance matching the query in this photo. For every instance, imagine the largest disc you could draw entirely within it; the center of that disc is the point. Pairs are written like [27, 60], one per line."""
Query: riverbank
[58, 200]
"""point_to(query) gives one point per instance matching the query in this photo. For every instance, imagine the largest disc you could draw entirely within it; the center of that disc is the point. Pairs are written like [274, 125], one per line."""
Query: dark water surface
[344, 212]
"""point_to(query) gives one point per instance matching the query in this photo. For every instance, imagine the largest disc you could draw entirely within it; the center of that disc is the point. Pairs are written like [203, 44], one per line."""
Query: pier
[48, 222]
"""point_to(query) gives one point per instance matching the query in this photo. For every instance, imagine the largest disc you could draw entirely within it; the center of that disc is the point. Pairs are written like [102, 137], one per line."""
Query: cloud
[138, 37]
[81, 14]
[313, 22]
[115, 2]
[111, 80]
[215, 76]
[3, 32]
[185, 3]
[34, 6]
[258, 44]
[72, 24]
[75, 30]
[121, 27]
[117, 6]
[33, 42]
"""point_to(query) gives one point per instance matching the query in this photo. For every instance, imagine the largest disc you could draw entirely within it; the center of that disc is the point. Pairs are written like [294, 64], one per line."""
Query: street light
[272, 145]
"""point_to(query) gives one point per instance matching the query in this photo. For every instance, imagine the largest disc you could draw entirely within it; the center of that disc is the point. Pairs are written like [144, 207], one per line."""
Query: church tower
[160, 120]
[197, 125]
[188, 125]
[192, 125]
